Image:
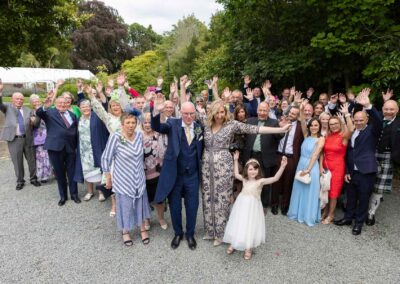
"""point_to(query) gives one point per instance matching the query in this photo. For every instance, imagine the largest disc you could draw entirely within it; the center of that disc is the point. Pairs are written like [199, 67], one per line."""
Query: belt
[286, 155]
[20, 136]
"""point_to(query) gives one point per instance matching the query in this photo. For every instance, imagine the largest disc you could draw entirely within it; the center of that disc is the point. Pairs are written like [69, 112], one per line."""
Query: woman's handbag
[325, 180]
[306, 179]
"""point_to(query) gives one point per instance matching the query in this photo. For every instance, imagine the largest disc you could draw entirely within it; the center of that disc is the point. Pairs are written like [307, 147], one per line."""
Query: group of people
[244, 150]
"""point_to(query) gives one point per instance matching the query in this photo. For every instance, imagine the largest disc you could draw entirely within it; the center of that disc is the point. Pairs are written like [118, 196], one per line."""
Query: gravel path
[78, 243]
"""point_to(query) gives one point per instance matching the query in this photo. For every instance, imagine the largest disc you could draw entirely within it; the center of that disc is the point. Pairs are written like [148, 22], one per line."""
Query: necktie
[285, 142]
[21, 124]
[385, 123]
[188, 136]
[65, 120]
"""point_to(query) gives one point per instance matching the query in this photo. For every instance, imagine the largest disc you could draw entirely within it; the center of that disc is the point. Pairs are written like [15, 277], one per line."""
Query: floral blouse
[154, 146]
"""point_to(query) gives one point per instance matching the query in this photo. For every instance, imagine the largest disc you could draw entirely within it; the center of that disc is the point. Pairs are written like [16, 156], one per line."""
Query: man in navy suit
[180, 172]
[361, 165]
[61, 143]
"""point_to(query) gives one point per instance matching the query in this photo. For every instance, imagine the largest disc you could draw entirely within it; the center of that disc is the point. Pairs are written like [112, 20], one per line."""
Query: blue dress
[304, 202]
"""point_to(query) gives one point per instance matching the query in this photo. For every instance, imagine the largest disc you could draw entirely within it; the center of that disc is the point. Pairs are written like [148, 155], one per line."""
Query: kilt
[384, 175]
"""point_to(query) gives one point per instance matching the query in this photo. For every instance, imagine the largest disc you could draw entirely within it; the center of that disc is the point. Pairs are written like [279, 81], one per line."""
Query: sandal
[88, 196]
[147, 227]
[217, 242]
[129, 242]
[163, 224]
[328, 220]
[145, 240]
[247, 254]
[230, 250]
[112, 213]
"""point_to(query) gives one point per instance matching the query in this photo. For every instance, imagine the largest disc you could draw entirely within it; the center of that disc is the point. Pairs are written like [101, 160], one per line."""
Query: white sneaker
[101, 197]
[88, 196]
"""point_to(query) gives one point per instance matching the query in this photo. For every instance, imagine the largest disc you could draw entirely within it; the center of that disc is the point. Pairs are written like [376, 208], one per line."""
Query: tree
[142, 39]
[102, 40]
[36, 27]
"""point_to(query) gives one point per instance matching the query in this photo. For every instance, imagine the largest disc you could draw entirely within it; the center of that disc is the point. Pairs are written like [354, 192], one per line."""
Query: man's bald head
[360, 120]
[390, 109]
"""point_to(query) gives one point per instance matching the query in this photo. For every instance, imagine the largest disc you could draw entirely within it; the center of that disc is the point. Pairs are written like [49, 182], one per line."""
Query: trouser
[19, 148]
[64, 163]
[284, 185]
[358, 194]
[267, 172]
[186, 186]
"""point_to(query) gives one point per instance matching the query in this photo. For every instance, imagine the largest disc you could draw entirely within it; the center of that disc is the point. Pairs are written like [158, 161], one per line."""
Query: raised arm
[302, 118]
[156, 124]
[3, 107]
[278, 174]
[349, 126]
[236, 166]
[98, 108]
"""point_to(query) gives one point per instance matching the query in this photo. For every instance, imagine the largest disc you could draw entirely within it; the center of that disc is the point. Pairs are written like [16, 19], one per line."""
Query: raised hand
[304, 102]
[59, 83]
[99, 87]
[160, 81]
[236, 155]
[126, 85]
[121, 79]
[247, 80]
[49, 99]
[226, 93]
[172, 88]
[79, 85]
[249, 94]
[1, 88]
[292, 91]
[283, 162]
[110, 83]
[266, 87]
[363, 97]
[214, 80]
[344, 108]
[183, 80]
[310, 92]
[147, 95]
[188, 83]
[297, 96]
[386, 96]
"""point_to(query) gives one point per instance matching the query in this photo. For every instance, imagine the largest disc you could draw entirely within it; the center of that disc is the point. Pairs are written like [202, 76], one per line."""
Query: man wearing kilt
[386, 154]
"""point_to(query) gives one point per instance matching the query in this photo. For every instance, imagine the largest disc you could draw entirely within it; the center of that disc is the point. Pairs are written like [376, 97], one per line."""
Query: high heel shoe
[328, 220]
[129, 242]
[145, 240]
[163, 224]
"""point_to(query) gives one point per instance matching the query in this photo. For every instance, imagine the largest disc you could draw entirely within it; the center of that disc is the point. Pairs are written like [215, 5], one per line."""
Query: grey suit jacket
[10, 124]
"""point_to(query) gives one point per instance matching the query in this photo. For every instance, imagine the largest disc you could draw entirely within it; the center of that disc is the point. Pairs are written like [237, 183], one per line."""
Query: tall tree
[142, 39]
[36, 27]
[102, 40]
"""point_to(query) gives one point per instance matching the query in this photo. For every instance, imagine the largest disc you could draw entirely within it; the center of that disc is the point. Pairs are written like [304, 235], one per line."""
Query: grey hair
[85, 102]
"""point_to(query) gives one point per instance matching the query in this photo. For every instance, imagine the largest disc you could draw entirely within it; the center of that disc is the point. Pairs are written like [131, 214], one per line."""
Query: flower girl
[246, 226]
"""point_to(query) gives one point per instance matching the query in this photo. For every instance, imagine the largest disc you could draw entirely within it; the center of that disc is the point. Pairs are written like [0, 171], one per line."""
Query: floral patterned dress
[217, 175]
[44, 170]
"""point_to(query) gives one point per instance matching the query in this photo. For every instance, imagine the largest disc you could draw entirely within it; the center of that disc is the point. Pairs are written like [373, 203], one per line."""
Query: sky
[162, 14]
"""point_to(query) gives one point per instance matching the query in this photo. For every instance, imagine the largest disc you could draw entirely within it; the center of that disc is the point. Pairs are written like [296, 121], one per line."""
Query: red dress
[334, 160]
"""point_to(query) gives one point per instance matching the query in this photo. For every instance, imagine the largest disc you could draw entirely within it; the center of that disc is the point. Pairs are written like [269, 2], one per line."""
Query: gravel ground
[78, 243]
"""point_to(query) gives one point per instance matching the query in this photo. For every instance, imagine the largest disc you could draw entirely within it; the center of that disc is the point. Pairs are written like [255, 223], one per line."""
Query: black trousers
[267, 172]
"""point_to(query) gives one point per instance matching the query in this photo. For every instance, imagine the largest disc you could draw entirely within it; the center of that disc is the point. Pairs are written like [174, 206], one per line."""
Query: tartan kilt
[384, 175]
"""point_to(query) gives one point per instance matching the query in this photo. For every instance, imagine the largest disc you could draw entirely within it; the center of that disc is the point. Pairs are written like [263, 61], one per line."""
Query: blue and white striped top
[128, 176]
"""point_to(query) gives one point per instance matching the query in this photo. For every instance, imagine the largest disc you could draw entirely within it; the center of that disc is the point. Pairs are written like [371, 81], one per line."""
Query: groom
[181, 169]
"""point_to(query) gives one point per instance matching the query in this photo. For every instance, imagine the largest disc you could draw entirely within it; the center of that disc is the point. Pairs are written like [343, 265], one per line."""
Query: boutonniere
[197, 132]
[123, 140]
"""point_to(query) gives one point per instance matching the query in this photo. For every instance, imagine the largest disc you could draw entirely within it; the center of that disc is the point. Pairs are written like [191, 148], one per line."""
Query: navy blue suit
[179, 175]
[61, 142]
[362, 155]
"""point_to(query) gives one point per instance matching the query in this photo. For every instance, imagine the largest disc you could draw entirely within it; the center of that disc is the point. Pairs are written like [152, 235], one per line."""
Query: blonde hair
[110, 103]
[34, 97]
[340, 122]
[215, 106]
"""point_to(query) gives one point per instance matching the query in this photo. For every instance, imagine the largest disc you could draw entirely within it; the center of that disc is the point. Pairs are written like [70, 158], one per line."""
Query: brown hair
[256, 166]
[126, 115]
[238, 108]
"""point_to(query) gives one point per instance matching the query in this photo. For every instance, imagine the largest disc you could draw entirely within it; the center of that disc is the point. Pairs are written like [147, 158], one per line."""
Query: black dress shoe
[370, 221]
[19, 186]
[191, 243]
[343, 222]
[274, 209]
[35, 183]
[176, 241]
[76, 199]
[284, 210]
[356, 230]
[61, 202]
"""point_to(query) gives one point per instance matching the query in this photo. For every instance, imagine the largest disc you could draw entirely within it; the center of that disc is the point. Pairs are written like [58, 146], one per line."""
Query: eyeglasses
[197, 102]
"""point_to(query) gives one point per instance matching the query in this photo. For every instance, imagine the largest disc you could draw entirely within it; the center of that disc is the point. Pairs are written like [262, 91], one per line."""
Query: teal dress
[304, 202]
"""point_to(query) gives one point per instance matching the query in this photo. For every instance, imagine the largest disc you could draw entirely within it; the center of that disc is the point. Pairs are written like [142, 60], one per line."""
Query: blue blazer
[99, 137]
[58, 135]
[173, 127]
[363, 153]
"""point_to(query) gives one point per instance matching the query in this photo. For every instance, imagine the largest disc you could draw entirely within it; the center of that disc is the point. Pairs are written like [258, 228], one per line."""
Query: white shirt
[67, 117]
[289, 143]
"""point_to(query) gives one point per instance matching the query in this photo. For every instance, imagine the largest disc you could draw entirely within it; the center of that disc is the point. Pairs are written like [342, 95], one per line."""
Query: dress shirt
[289, 143]
[191, 126]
